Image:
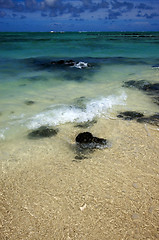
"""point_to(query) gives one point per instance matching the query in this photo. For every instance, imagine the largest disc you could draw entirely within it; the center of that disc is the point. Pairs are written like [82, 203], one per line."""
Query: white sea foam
[64, 114]
[17, 117]
[2, 133]
[81, 65]
[2, 137]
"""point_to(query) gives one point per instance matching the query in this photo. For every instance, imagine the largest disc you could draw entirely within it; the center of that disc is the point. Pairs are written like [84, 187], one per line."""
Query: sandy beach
[112, 194]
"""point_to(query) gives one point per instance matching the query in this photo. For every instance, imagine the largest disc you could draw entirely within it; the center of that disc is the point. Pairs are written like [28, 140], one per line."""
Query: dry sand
[113, 194]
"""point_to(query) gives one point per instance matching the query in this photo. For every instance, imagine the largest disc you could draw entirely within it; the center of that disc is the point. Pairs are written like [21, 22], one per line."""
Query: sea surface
[38, 89]
[52, 187]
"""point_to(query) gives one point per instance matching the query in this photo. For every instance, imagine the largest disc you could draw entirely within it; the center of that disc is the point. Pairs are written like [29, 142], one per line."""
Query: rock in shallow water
[156, 100]
[29, 102]
[151, 89]
[43, 132]
[139, 117]
[86, 140]
[86, 124]
[63, 62]
[130, 115]
[154, 119]
[80, 102]
[156, 66]
[70, 63]
[141, 85]
[86, 144]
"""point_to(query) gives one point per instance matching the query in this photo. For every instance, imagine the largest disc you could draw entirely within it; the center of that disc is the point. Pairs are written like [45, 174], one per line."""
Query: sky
[78, 15]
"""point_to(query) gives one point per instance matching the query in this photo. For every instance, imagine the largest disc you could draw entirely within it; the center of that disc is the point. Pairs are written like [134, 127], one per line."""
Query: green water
[26, 75]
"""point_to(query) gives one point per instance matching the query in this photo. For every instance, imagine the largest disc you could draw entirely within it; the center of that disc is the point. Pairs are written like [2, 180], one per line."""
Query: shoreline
[112, 194]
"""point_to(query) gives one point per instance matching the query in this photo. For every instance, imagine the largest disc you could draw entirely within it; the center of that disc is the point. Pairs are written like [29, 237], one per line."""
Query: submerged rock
[86, 140]
[63, 62]
[139, 117]
[43, 63]
[43, 132]
[86, 124]
[149, 88]
[70, 70]
[29, 102]
[154, 119]
[80, 156]
[80, 102]
[156, 100]
[130, 115]
[143, 85]
[156, 66]
[70, 63]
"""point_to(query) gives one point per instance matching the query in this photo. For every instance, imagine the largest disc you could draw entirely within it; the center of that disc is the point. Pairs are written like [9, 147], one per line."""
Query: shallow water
[48, 191]
[110, 194]
[58, 92]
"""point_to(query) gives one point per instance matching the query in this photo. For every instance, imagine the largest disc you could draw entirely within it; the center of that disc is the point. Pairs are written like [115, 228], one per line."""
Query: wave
[61, 114]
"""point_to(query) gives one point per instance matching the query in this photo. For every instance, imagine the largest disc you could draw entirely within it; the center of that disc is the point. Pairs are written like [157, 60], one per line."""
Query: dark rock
[143, 85]
[139, 117]
[156, 100]
[130, 74]
[156, 66]
[80, 157]
[43, 63]
[58, 62]
[154, 119]
[82, 153]
[149, 88]
[86, 140]
[85, 137]
[70, 70]
[86, 124]
[153, 87]
[130, 115]
[80, 102]
[64, 62]
[70, 63]
[29, 102]
[43, 132]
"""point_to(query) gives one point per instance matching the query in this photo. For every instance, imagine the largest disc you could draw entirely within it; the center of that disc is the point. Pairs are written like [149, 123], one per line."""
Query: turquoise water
[34, 92]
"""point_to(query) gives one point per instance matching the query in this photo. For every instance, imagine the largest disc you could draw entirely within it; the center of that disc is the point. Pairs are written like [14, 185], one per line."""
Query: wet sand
[113, 194]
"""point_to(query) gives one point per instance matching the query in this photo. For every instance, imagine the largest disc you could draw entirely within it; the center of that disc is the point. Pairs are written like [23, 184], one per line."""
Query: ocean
[56, 88]
[36, 90]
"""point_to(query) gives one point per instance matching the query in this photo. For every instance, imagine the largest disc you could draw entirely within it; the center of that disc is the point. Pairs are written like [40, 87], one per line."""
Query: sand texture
[112, 194]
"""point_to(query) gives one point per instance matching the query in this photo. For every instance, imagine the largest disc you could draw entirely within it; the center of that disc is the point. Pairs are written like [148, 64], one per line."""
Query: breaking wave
[65, 114]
